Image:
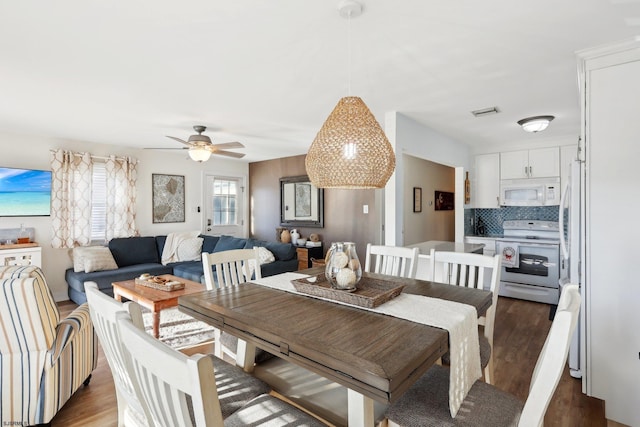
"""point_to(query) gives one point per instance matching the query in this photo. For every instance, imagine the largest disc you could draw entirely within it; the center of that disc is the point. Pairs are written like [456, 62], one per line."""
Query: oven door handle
[533, 261]
[523, 245]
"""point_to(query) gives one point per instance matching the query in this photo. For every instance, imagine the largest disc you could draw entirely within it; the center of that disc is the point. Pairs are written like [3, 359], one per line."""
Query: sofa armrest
[76, 323]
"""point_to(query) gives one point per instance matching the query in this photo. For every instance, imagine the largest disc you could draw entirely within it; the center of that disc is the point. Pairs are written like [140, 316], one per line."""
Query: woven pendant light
[350, 150]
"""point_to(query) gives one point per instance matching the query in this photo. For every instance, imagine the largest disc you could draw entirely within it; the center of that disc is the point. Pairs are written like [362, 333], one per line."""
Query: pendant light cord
[349, 53]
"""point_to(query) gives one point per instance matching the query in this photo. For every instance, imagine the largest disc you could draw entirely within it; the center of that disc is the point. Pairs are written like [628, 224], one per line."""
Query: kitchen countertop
[439, 245]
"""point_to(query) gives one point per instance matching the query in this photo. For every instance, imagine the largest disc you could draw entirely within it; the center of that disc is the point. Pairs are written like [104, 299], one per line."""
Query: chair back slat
[550, 364]
[103, 310]
[391, 260]
[470, 270]
[231, 267]
[169, 381]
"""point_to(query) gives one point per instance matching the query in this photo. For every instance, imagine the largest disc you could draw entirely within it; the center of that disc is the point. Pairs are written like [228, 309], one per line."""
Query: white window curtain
[121, 197]
[70, 199]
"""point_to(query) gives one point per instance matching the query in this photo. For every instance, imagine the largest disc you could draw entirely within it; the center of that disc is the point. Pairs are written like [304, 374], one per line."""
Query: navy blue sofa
[137, 255]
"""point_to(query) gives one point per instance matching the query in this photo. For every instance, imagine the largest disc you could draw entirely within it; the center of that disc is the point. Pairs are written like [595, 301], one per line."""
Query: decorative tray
[370, 292]
[18, 245]
[160, 283]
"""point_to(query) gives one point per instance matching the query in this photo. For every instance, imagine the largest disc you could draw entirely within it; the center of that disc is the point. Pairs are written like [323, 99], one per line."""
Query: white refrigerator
[570, 221]
[609, 266]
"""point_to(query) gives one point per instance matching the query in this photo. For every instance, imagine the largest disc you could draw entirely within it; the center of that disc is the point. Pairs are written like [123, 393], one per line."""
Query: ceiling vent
[485, 111]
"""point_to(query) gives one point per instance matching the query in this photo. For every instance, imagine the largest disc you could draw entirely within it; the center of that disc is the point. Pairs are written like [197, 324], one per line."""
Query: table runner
[460, 320]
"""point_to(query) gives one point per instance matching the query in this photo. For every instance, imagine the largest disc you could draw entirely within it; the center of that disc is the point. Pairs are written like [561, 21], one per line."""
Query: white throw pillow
[98, 259]
[79, 255]
[265, 256]
[190, 249]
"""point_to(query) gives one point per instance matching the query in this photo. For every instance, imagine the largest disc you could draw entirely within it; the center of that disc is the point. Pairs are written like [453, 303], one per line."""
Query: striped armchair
[43, 360]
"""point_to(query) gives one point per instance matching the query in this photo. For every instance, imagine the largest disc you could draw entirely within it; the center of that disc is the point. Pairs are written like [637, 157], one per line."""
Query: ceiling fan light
[535, 124]
[199, 154]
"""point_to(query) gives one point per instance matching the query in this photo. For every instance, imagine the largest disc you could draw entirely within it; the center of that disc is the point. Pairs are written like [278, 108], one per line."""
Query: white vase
[294, 236]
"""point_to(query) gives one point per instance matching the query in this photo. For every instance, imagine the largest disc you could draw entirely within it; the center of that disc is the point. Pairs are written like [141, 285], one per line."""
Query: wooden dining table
[375, 356]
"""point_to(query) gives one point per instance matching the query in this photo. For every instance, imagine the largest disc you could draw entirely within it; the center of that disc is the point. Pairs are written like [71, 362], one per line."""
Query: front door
[224, 206]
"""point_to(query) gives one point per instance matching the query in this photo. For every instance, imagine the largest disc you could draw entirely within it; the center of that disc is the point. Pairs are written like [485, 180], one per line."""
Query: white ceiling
[268, 73]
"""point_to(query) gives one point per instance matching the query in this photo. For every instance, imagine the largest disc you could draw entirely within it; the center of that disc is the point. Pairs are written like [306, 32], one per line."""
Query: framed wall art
[167, 198]
[301, 203]
[303, 199]
[417, 199]
[444, 201]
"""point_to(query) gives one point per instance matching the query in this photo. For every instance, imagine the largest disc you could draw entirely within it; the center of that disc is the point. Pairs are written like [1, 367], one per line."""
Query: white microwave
[530, 192]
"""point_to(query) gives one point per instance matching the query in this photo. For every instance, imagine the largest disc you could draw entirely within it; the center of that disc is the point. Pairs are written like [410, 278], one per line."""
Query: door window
[224, 199]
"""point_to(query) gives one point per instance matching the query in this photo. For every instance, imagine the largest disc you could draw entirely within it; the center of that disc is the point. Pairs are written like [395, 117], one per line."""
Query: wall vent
[486, 111]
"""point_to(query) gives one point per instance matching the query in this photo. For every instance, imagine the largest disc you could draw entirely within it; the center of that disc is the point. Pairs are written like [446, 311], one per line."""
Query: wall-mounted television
[25, 192]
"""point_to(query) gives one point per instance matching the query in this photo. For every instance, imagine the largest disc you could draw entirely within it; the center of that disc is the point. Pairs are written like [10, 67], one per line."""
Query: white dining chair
[230, 268]
[391, 260]
[426, 402]
[181, 390]
[472, 271]
[103, 309]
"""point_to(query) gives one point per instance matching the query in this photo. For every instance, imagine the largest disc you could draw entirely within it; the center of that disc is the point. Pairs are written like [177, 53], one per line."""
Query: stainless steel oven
[530, 252]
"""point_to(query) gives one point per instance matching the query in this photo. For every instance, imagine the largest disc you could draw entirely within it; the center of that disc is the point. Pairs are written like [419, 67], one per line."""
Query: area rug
[178, 329]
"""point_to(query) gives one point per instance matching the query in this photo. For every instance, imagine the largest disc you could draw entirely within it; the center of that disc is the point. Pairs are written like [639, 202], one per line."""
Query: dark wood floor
[521, 328]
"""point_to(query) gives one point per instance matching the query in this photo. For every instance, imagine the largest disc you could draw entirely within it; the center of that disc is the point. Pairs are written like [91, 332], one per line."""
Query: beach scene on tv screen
[25, 192]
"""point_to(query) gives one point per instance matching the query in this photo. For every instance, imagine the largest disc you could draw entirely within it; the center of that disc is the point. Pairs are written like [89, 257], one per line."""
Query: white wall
[410, 137]
[610, 288]
[428, 224]
[33, 152]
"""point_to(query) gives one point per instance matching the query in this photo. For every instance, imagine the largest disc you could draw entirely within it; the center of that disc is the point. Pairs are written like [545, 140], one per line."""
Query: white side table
[21, 254]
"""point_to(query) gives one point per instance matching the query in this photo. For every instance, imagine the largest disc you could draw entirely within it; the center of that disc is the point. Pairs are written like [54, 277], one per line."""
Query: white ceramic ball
[340, 259]
[345, 278]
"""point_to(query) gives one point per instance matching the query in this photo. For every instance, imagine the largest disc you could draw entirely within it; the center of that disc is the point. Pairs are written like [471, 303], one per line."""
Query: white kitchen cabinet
[16, 255]
[611, 107]
[487, 183]
[535, 163]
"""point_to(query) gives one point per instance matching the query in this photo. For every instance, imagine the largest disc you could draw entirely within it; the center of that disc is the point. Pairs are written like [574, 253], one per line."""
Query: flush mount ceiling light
[351, 150]
[535, 124]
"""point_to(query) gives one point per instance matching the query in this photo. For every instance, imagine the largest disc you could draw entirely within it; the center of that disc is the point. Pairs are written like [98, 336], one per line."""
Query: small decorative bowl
[302, 242]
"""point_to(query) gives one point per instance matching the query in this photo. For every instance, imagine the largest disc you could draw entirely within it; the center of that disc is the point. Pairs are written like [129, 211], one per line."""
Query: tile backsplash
[493, 218]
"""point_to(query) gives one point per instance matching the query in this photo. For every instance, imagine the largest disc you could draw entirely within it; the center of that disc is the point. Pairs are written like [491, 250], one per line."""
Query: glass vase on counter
[23, 235]
[343, 270]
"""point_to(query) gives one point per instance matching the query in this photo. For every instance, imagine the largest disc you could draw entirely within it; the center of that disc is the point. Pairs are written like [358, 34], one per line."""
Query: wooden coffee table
[155, 299]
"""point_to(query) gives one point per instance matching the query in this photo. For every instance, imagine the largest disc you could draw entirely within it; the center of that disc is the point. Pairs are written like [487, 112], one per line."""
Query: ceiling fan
[201, 148]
